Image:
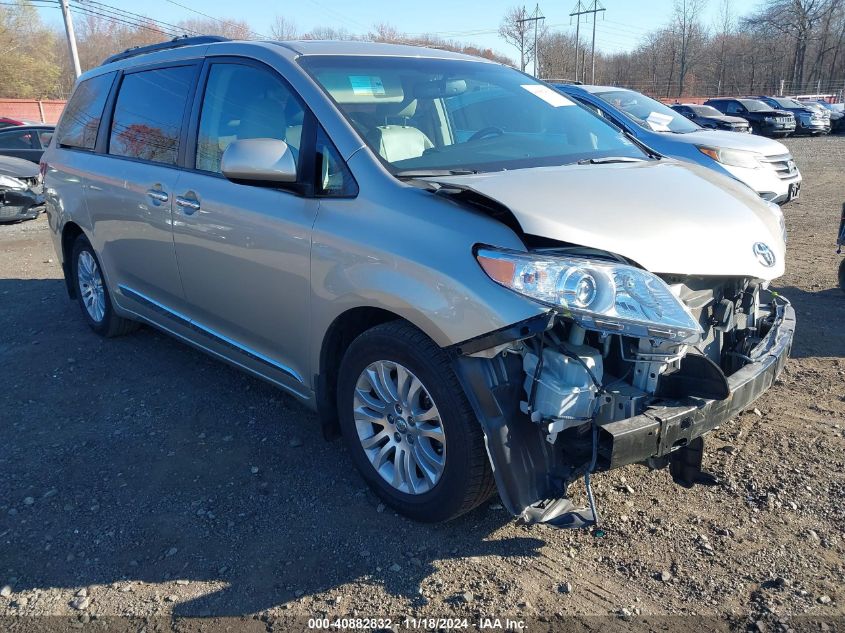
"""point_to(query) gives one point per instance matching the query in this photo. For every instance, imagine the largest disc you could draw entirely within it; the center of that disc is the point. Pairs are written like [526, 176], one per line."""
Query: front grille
[9, 212]
[783, 165]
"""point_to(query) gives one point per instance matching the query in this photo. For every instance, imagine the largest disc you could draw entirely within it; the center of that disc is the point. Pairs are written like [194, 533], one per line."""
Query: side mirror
[259, 160]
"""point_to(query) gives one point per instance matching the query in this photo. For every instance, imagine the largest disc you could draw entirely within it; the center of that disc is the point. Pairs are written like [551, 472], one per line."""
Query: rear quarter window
[81, 118]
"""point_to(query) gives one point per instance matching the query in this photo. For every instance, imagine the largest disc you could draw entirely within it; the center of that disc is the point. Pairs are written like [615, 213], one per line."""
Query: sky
[472, 21]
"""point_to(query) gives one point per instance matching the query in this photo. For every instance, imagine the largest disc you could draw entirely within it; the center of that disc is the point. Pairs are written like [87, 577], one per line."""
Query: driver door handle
[158, 195]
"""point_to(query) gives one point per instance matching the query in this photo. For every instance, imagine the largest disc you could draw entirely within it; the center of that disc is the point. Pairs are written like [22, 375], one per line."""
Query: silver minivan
[478, 282]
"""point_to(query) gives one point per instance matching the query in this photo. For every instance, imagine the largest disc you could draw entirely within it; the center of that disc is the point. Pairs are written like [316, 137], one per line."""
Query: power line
[218, 20]
[132, 15]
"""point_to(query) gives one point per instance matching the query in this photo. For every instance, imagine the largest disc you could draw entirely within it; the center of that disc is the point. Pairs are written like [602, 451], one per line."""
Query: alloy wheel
[399, 427]
[91, 286]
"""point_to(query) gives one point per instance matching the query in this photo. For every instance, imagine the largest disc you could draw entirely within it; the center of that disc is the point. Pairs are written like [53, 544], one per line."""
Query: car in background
[808, 120]
[710, 117]
[763, 164]
[21, 190]
[762, 118]
[6, 121]
[25, 141]
[836, 117]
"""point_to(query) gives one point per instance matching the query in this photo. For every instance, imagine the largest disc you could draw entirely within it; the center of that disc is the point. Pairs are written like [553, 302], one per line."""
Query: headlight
[778, 213]
[769, 119]
[735, 157]
[597, 295]
[11, 183]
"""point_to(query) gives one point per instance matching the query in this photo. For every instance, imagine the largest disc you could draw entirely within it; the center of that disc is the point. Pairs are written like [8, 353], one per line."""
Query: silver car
[478, 282]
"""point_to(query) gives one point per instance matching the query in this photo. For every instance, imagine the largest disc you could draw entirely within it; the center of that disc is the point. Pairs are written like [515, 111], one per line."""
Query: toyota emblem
[764, 254]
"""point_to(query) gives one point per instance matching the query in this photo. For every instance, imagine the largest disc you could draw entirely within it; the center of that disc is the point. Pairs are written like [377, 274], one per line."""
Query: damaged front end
[634, 378]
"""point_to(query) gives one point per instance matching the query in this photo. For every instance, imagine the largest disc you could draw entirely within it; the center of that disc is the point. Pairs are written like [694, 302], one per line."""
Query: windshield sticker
[550, 96]
[659, 122]
[367, 85]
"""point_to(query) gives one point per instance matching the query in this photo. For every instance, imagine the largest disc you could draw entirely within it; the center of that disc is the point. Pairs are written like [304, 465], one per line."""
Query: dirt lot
[140, 478]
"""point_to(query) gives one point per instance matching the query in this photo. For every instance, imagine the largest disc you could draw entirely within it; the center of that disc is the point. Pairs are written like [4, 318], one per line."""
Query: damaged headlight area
[599, 295]
[627, 367]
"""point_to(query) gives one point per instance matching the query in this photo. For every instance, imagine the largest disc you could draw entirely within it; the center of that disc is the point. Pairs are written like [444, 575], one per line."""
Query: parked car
[840, 241]
[710, 117]
[762, 118]
[808, 120]
[835, 117]
[21, 191]
[9, 121]
[763, 164]
[25, 141]
[454, 264]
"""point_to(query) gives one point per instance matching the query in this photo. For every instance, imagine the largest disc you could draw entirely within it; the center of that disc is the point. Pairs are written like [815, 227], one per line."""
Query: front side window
[333, 177]
[243, 102]
[647, 112]
[443, 114]
[81, 118]
[148, 114]
[16, 140]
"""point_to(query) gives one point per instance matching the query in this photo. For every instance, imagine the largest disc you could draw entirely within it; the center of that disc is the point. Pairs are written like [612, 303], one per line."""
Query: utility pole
[71, 39]
[583, 9]
[536, 20]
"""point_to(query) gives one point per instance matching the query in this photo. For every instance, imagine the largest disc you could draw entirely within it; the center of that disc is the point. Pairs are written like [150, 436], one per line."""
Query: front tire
[93, 294]
[409, 427]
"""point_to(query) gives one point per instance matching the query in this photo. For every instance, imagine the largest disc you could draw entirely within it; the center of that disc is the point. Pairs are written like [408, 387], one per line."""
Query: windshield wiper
[608, 159]
[433, 173]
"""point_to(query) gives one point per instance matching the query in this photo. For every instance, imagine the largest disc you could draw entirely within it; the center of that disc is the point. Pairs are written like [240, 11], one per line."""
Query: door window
[148, 114]
[19, 139]
[81, 118]
[735, 108]
[242, 102]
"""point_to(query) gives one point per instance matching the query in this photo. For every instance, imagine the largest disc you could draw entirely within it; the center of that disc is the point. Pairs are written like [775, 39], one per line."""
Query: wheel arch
[343, 330]
[70, 232]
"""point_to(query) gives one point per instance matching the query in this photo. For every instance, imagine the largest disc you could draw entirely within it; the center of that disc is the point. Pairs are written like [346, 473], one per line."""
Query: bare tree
[283, 29]
[687, 14]
[518, 33]
[796, 19]
[726, 26]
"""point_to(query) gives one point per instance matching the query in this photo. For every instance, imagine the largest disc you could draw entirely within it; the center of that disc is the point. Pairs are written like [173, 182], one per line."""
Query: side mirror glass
[259, 160]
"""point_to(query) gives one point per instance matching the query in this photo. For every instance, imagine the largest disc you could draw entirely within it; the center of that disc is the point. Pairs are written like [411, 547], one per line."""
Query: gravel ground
[141, 479]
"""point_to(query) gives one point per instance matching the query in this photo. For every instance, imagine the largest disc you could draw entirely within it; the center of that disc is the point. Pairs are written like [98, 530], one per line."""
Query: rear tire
[93, 294]
[460, 477]
[842, 275]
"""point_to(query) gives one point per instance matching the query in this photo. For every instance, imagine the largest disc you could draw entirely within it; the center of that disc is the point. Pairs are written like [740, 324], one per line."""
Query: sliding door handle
[188, 205]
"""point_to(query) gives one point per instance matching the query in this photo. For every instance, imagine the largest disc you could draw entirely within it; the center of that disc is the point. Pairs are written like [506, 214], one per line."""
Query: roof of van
[295, 48]
[355, 47]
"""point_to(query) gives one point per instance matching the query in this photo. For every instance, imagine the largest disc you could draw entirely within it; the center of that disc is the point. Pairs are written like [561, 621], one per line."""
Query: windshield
[421, 115]
[703, 110]
[752, 105]
[648, 113]
[786, 103]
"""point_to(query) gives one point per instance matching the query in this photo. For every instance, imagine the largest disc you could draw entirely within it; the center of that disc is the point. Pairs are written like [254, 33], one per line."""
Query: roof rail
[176, 42]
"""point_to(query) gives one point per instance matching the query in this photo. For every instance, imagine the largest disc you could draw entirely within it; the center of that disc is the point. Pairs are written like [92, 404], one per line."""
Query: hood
[17, 167]
[730, 140]
[667, 216]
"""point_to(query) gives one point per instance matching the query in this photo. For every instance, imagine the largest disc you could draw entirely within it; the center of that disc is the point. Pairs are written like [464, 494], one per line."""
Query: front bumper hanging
[532, 475]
